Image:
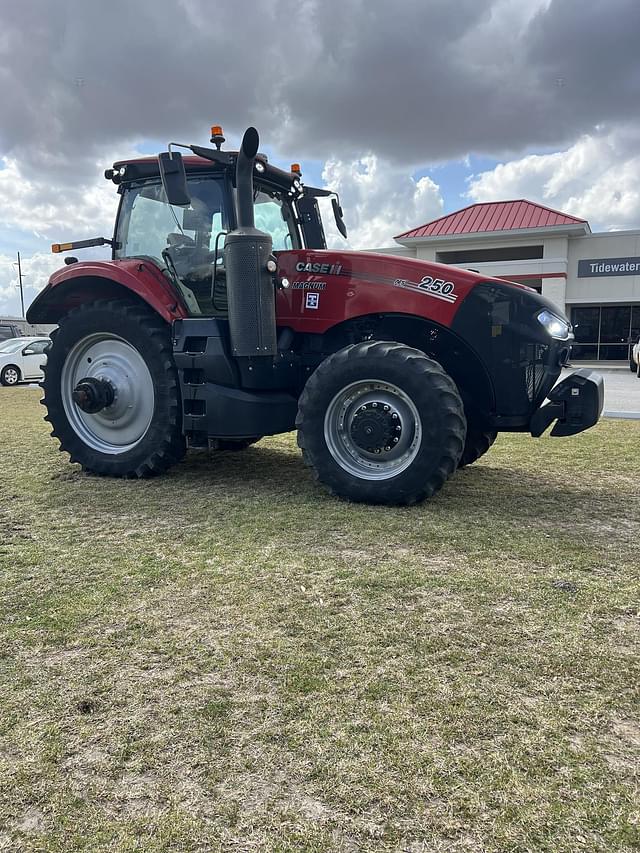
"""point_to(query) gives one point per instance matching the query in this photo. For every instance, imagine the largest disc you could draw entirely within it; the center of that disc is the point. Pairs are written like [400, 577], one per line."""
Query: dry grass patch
[228, 659]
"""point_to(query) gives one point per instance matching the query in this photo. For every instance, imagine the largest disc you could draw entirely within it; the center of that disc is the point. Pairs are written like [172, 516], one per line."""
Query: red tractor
[207, 331]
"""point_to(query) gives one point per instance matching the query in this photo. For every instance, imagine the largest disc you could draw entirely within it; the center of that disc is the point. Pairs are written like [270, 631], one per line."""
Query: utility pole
[20, 281]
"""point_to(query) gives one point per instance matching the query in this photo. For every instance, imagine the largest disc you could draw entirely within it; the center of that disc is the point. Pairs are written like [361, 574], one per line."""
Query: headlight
[555, 326]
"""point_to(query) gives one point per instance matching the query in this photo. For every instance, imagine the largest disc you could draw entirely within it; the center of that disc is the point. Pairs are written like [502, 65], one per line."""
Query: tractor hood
[397, 270]
[324, 287]
[363, 264]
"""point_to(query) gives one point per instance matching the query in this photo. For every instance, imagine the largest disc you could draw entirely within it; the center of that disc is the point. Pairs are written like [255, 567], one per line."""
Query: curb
[631, 416]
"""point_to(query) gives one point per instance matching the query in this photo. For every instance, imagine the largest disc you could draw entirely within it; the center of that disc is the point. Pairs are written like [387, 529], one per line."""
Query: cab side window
[268, 211]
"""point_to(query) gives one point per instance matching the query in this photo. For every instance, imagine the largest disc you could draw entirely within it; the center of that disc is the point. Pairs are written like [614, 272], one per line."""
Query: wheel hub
[372, 429]
[376, 427]
[93, 395]
[107, 392]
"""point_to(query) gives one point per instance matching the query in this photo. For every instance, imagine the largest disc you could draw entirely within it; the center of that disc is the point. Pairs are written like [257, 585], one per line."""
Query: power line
[21, 290]
[20, 284]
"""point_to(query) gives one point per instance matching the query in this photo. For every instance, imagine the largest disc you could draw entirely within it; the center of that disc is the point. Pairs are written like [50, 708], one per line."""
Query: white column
[426, 253]
[555, 289]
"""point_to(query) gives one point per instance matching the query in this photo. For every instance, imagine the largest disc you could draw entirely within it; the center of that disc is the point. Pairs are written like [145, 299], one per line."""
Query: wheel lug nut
[398, 429]
[394, 415]
[374, 405]
[377, 450]
[387, 448]
[395, 440]
[386, 408]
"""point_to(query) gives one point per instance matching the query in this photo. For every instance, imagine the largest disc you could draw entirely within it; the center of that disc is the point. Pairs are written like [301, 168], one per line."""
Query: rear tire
[478, 442]
[140, 434]
[10, 375]
[396, 398]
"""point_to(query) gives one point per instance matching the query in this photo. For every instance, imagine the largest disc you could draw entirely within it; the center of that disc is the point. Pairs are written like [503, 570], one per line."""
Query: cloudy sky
[410, 109]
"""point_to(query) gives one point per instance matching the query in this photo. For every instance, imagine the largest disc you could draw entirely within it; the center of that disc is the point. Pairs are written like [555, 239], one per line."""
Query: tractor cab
[176, 211]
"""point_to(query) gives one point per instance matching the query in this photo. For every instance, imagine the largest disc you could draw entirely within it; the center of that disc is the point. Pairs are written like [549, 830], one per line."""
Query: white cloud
[36, 270]
[379, 201]
[50, 209]
[596, 179]
[39, 208]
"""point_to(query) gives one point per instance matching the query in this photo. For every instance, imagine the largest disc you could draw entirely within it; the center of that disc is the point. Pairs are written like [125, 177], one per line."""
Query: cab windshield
[182, 241]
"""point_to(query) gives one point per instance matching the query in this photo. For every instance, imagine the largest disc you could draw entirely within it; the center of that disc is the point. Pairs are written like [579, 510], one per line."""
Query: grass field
[228, 659]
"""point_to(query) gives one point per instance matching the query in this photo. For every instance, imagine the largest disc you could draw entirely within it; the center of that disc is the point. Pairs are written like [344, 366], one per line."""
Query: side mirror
[337, 213]
[174, 178]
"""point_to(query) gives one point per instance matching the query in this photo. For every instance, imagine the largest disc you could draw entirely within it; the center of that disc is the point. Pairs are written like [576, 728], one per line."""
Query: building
[593, 278]
[18, 325]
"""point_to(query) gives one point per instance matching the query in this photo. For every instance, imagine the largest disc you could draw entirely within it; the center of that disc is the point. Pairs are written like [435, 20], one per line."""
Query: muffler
[250, 289]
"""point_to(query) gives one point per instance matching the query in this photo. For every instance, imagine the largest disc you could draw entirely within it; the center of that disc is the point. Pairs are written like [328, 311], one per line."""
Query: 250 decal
[436, 287]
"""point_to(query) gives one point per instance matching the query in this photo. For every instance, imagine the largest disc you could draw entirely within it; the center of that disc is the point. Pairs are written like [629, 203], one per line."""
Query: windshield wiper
[186, 293]
[168, 260]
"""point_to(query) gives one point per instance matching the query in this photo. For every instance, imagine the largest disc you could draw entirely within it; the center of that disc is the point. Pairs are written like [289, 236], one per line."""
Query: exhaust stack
[250, 287]
[244, 177]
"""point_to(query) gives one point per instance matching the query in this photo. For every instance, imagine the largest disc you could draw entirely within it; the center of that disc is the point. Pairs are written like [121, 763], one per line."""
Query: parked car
[634, 360]
[21, 359]
[9, 330]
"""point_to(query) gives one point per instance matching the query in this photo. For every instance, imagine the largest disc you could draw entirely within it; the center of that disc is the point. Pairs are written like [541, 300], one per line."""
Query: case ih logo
[324, 269]
[436, 287]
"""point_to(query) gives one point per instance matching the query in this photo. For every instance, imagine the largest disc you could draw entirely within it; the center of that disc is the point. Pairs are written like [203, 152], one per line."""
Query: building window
[482, 256]
[604, 332]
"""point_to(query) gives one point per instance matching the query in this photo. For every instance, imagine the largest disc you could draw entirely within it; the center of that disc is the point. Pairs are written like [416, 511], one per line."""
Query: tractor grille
[537, 372]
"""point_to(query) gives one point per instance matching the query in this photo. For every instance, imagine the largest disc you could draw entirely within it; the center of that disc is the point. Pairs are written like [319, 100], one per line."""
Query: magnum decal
[309, 285]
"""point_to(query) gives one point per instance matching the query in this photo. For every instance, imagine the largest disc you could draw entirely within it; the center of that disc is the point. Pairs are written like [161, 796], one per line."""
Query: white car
[21, 359]
[634, 360]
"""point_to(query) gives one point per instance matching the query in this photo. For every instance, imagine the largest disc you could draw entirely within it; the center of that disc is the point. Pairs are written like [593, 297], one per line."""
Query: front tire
[477, 443]
[10, 375]
[381, 423]
[126, 347]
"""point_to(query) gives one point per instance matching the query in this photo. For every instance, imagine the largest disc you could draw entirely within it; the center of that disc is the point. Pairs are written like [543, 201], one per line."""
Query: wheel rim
[373, 429]
[122, 425]
[11, 376]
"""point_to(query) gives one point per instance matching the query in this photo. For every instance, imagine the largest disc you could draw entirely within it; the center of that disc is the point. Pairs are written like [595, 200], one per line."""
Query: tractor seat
[216, 306]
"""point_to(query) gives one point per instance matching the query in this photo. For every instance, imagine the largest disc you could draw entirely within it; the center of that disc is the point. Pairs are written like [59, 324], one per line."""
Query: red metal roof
[493, 216]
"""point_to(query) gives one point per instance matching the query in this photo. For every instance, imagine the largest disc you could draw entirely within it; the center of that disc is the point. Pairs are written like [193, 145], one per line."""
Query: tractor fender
[456, 355]
[83, 282]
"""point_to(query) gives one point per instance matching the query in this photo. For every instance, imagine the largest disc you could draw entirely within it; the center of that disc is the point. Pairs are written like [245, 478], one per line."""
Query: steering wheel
[176, 240]
[190, 260]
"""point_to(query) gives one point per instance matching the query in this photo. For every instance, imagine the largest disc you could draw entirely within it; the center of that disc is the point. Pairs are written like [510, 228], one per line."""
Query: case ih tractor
[222, 318]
